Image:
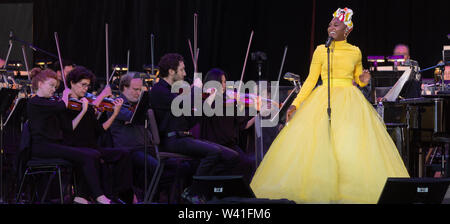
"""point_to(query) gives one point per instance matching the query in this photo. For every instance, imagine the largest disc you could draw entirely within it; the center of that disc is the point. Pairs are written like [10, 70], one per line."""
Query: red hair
[39, 75]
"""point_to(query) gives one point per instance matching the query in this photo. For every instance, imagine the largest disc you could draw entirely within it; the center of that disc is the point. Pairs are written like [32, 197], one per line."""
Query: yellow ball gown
[349, 162]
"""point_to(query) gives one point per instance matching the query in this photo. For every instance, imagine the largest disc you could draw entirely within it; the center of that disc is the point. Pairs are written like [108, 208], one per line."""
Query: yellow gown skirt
[349, 162]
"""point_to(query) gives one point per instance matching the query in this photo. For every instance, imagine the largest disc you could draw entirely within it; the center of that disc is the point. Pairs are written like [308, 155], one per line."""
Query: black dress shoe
[192, 198]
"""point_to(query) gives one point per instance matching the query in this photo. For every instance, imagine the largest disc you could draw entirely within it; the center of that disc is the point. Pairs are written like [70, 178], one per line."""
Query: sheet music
[393, 93]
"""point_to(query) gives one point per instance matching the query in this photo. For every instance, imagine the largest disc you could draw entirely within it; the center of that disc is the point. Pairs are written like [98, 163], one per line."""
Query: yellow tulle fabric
[348, 161]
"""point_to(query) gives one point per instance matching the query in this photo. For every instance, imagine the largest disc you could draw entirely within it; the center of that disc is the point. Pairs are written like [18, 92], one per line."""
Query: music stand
[414, 191]
[140, 117]
[282, 113]
[7, 97]
[140, 113]
[18, 110]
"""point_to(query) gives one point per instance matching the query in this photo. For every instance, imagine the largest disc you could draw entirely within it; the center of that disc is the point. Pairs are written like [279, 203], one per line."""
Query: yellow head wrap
[344, 15]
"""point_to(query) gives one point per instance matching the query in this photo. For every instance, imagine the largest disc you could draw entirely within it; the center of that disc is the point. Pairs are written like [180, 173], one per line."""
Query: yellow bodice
[345, 67]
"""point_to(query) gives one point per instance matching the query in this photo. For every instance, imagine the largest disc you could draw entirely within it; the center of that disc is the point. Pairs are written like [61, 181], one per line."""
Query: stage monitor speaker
[218, 187]
[414, 191]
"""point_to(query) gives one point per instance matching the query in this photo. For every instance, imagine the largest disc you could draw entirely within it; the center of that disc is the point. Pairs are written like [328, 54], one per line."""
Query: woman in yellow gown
[348, 161]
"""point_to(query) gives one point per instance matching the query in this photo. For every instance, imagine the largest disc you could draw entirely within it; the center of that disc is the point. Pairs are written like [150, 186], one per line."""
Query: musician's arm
[105, 93]
[111, 119]
[250, 123]
[123, 114]
[80, 115]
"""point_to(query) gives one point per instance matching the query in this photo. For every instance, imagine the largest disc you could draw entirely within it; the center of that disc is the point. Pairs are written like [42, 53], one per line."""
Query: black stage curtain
[224, 31]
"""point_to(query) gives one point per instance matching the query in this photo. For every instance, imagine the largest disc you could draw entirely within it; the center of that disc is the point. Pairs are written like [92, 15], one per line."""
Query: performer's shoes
[80, 201]
[191, 198]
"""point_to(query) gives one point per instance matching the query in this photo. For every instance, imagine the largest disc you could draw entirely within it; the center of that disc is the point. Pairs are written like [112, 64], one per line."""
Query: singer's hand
[365, 76]
[290, 112]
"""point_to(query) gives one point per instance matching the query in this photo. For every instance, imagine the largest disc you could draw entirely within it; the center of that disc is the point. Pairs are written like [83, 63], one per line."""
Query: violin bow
[60, 60]
[196, 49]
[128, 60]
[107, 54]
[152, 52]
[281, 69]
[245, 63]
[194, 53]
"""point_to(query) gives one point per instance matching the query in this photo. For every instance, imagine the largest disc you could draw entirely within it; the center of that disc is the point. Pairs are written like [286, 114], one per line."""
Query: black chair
[53, 167]
[35, 166]
[402, 126]
[161, 157]
[439, 140]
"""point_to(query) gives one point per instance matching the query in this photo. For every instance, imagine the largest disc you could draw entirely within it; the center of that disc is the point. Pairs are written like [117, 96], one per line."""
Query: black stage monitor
[414, 191]
[218, 187]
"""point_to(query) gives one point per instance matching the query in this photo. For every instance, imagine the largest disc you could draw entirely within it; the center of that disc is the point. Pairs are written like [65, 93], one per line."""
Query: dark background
[224, 31]
[16, 17]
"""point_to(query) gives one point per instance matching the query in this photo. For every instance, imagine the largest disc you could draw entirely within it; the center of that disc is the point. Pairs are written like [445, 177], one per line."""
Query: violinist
[174, 131]
[225, 130]
[46, 129]
[132, 136]
[89, 130]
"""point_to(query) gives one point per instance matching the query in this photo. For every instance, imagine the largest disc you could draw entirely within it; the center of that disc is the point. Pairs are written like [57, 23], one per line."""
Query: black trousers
[215, 159]
[246, 166]
[85, 160]
[171, 168]
[116, 171]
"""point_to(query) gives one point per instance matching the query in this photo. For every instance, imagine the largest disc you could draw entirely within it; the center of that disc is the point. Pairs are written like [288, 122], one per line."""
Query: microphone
[328, 43]
[291, 76]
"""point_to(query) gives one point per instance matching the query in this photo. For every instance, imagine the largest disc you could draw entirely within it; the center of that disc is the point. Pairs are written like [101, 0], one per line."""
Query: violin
[107, 104]
[249, 100]
[77, 105]
[246, 100]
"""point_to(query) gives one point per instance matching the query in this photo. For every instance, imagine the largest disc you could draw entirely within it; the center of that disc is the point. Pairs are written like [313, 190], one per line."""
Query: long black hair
[215, 74]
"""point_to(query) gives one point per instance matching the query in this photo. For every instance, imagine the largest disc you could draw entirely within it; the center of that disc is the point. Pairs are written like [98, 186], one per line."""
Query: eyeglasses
[84, 85]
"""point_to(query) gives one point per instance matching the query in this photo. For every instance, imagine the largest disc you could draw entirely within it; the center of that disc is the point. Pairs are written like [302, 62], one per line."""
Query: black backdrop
[225, 26]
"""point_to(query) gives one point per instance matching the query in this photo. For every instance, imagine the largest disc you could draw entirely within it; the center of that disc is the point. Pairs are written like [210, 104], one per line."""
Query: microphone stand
[329, 104]
[442, 64]
[34, 48]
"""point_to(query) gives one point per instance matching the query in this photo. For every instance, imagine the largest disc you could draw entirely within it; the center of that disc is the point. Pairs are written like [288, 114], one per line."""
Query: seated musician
[412, 87]
[214, 159]
[225, 130]
[89, 129]
[403, 49]
[133, 136]
[47, 126]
